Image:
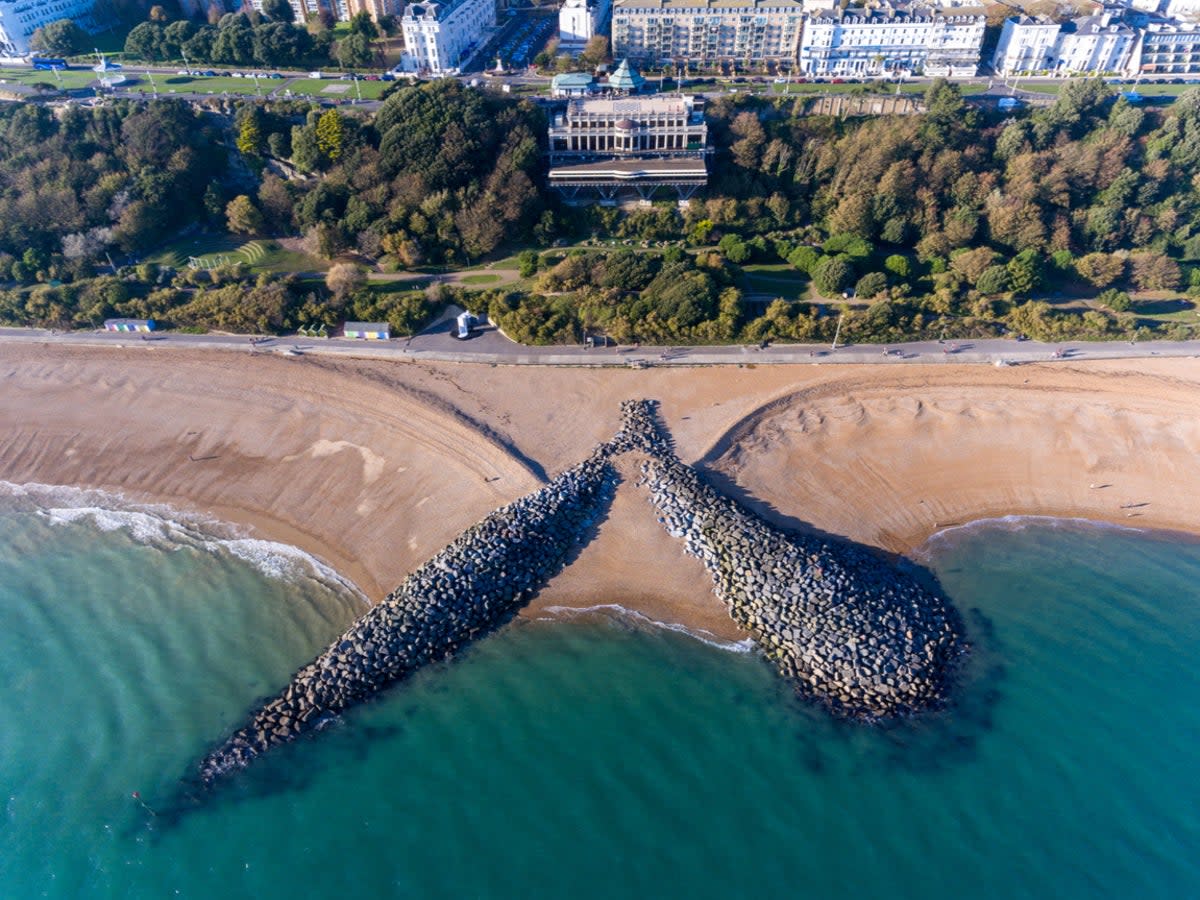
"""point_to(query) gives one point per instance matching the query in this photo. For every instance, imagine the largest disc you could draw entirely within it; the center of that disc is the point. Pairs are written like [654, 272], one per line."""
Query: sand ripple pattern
[849, 629]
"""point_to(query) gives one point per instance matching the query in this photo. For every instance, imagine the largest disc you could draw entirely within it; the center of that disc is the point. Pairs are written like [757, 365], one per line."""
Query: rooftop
[633, 108]
[796, 5]
[572, 79]
[888, 14]
[634, 168]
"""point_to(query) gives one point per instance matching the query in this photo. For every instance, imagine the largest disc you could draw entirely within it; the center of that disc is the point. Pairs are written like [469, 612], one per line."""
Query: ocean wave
[631, 615]
[924, 553]
[167, 528]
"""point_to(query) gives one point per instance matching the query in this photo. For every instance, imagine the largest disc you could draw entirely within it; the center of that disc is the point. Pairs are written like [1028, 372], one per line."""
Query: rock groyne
[466, 591]
[848, 628]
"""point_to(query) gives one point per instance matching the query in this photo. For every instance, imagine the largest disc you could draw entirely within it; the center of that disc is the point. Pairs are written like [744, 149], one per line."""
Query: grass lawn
[319, 87]
[398, 287]
[1146, 90]
[262, 255]
[775, 279]
[71, 78]
[216, 85]
[508, 262]
[479, 279]
[1169, 308]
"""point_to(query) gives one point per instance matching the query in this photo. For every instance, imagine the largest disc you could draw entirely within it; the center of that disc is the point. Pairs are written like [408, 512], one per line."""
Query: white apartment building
[1100, 43]
[19, 19]
[707, 30]
[579, 21]
[1167, 49]
[887, 41]
[441, 37]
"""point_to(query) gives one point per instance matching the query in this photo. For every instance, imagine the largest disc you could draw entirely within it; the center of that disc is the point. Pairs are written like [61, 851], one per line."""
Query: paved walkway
[490, 347]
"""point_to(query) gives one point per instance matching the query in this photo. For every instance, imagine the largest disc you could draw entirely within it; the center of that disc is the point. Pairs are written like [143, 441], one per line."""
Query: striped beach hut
[369, 331]
[129, 325]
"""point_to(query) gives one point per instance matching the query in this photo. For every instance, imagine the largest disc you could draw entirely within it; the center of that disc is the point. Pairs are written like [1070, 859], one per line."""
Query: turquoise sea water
[589, 758]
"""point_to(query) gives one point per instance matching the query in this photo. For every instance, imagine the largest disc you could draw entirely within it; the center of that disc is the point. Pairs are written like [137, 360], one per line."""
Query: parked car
[275, 75]
[373, 78]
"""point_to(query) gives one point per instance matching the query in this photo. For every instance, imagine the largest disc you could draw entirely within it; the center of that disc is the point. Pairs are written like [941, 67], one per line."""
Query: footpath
[489, 347]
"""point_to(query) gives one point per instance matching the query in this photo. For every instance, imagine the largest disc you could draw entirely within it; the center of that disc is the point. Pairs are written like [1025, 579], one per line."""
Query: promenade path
[489, 347]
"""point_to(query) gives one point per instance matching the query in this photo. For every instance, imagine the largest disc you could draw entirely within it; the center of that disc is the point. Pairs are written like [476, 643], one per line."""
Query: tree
[243, 216]
[61, 37]
[1100, 269]
[748, 148]
[331, 134]
[354, 50]
[871, 285]
[898, 265]
[157, 14]
[1155, 271]
[971, 264]
[1117, 301]
[594, 52]
[278, 11]
[993, 280]
[344, 279]
[360, 23]
[250, 138]
[527, 261]
[275, 199]
[145, 41]
[831, 276]
[1025, 271]
[804, 258]
[735, 249]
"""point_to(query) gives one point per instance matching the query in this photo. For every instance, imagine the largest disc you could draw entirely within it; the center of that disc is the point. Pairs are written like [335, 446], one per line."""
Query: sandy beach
[373, 466]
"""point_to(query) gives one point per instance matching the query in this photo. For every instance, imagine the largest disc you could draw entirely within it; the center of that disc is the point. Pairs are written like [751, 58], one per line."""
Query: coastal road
[489, 347]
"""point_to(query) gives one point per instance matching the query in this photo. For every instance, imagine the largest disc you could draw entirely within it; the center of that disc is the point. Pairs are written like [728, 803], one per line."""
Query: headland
[375, 466]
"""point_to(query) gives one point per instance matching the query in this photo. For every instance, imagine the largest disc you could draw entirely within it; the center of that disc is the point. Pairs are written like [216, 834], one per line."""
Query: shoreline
[373, 467]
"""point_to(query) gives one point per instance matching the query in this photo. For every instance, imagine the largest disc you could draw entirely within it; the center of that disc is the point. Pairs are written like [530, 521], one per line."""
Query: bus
[45, 64]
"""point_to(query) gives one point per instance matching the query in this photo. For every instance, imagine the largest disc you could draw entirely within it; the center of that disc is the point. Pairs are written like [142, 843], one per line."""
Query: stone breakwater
[844, 625]
[466, 591]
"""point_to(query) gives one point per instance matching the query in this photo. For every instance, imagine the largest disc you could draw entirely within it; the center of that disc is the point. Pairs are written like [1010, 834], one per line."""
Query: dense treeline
[442, 174]
[252, 39]
[949, 222]
[88, 181]
[952, 222]
[1085, 174]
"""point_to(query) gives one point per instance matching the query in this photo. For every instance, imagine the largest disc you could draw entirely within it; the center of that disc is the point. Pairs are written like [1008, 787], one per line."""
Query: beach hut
[129, 325]
[368, 331]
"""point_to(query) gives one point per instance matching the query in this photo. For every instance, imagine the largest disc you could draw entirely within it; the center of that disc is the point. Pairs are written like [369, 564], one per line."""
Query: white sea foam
[168, 529]
[699, 634]
[1015, 523]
